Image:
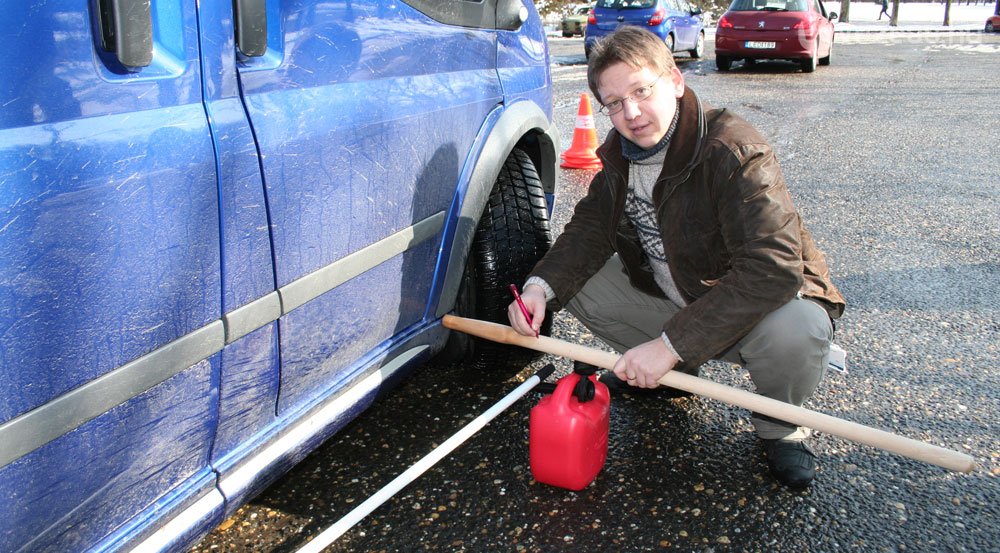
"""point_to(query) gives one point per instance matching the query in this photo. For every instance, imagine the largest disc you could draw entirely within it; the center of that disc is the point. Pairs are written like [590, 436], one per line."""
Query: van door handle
[127, 30]
[251, 27]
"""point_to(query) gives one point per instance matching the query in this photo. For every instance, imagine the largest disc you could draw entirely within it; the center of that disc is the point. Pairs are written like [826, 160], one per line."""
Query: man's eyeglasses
[635, 97]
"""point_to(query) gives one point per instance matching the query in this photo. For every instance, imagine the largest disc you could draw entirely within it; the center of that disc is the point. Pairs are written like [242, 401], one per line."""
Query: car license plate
[759, 45]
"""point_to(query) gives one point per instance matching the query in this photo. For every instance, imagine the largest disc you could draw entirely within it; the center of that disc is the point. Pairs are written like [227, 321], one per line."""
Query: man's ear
[677, 82]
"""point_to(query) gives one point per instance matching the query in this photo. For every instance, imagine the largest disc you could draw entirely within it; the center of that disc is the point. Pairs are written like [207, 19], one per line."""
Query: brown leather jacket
[735, 244]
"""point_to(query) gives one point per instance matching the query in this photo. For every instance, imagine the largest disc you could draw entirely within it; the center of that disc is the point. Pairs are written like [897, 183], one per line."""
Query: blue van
[226, 225]
[677, 22]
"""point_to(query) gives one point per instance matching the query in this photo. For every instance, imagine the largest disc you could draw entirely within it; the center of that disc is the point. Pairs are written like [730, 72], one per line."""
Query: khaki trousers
[785, 354]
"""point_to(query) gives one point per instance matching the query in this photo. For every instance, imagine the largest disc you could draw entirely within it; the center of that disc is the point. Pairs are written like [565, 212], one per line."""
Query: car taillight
[801, 24]
[591, 18]
[725, 23]
[658, 16]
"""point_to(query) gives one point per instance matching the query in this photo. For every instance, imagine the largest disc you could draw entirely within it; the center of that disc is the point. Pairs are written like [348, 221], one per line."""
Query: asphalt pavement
[891, 156]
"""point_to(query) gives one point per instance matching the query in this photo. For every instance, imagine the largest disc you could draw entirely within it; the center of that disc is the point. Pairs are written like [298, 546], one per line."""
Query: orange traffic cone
[580, 154]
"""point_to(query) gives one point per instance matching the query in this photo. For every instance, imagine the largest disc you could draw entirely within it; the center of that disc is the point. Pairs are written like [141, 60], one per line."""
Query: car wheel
[809, 64]
[670, 43]
[826, 59]
[723, 63]
[567, 34]
[512, 235]
[699, 46]
[989, 27]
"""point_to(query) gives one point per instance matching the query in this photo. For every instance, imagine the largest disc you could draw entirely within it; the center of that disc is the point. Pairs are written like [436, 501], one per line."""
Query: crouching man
[687, 248]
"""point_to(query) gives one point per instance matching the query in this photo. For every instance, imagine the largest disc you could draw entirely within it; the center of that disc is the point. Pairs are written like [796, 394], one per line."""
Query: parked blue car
[225, 226]
[677, 22]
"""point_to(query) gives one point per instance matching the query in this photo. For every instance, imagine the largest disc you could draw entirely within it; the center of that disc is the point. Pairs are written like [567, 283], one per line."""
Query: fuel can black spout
[584, 389]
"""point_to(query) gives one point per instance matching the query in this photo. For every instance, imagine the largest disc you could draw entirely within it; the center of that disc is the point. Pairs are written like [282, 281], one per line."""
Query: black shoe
[791, 463]
[618, 387]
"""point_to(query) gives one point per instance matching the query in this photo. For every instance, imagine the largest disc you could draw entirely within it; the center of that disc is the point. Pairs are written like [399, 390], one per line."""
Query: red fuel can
[568, 431]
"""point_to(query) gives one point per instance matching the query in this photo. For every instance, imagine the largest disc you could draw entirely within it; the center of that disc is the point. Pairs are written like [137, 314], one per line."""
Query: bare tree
[557, 6]
[845, 11]
[894, 22]
[947, 13]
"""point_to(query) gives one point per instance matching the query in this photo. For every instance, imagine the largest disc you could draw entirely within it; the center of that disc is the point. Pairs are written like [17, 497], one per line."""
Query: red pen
[524, 310]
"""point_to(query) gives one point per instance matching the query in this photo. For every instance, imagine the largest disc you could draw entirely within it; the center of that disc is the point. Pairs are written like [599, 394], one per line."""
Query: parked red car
[993, 24]
[795, 30]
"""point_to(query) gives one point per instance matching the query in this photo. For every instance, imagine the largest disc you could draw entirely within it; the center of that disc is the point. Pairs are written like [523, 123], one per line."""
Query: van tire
[512, 235]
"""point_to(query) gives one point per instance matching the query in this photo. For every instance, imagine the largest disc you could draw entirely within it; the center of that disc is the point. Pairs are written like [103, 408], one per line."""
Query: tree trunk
[947, 13]
[894, 21]
[845, 11]
[996, 10]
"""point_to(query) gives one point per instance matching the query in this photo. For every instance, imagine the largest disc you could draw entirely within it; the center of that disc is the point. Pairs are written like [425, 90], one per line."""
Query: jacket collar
[686, 143]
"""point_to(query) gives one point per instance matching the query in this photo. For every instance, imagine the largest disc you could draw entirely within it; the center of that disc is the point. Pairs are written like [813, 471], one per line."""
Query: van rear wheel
[512, 235]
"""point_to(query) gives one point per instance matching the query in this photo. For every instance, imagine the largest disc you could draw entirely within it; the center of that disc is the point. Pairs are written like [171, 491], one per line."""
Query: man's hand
[645, 364]
[533, 297]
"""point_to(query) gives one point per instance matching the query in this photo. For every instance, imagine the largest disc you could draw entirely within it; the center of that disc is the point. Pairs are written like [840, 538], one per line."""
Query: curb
[909, 29]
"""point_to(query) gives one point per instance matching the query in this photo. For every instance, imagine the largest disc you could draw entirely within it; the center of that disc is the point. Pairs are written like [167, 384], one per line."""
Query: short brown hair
[634, 46]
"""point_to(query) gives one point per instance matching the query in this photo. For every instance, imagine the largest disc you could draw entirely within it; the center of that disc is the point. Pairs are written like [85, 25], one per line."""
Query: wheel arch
[521, 125]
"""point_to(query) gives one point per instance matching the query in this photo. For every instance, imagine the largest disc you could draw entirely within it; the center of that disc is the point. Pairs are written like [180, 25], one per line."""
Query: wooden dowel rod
[914, 449]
